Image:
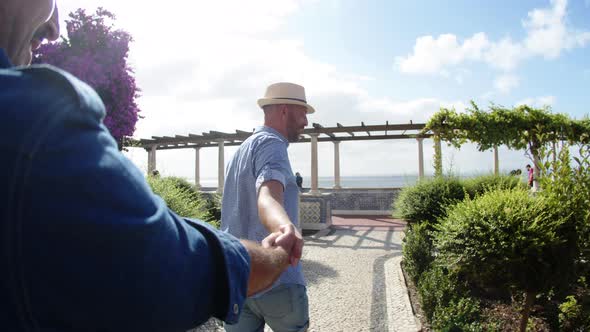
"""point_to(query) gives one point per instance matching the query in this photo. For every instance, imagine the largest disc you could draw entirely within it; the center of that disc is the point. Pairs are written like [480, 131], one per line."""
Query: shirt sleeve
[270, 162]
[101, 250]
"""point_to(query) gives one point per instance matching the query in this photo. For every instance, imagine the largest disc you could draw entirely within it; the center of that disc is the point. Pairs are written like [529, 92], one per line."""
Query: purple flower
[97, 53]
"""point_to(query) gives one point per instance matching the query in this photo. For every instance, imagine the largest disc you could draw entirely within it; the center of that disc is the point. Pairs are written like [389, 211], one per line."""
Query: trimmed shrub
[437, 287]
[180, 197]
[417, 250]
[482, 184]
[508, 238]
[427, 200]
[461, 314]
[213, 207]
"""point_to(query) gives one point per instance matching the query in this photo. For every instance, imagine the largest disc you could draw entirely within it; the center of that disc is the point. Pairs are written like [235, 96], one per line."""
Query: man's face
[32, 21]
[296, 121]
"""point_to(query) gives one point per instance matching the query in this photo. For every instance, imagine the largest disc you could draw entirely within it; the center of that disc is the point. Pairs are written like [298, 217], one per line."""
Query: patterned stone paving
[355, 282]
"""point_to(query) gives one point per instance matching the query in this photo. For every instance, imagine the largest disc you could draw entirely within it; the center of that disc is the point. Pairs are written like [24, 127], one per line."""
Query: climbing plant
[520, 128]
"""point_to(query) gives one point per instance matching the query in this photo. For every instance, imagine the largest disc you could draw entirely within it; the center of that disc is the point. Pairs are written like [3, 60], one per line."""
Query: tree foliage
[520, 128]
[96, 53]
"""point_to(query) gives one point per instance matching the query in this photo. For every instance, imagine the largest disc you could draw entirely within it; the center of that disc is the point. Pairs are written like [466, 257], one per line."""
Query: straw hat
[285, 93]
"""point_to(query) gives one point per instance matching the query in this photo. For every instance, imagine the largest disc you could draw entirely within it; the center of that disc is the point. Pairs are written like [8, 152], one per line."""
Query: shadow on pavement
[315, 271]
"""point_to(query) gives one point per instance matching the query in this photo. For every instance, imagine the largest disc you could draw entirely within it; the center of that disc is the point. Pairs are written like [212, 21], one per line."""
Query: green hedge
[509, 237]
[182, 198]
[417, 250]
[428, 199]
[482, 184]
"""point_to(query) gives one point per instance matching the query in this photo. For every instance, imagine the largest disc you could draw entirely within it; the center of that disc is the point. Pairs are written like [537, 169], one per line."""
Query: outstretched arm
[275, 219]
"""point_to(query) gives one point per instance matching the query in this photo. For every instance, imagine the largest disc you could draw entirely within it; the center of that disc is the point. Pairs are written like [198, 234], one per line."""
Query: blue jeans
[285, 308]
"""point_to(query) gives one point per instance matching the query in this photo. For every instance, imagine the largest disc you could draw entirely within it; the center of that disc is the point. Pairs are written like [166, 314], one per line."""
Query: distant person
[261, 196]
[86, 245]
[531, 175]
[299, 180]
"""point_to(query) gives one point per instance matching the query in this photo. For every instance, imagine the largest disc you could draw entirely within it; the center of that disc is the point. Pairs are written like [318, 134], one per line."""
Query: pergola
[317, 133]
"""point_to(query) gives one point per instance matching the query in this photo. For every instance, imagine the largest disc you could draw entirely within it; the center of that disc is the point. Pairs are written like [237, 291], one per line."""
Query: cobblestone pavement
[355, 282]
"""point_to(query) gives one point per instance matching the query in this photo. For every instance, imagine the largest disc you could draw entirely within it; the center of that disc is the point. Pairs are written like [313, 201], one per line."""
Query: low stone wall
[315, 212]
[362, 201]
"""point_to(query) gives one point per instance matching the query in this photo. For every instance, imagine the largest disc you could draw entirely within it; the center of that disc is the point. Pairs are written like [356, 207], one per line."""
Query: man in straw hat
[261, 197]
[86, 245]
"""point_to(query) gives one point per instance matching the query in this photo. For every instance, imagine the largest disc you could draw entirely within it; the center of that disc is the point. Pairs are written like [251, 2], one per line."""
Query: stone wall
[315, 212]
[365, 201]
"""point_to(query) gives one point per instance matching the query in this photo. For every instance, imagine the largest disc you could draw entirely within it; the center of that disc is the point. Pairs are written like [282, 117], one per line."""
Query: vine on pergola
[519, 128]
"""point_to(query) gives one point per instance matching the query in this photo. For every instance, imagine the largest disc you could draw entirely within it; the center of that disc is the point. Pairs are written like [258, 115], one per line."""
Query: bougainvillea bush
[96, 52]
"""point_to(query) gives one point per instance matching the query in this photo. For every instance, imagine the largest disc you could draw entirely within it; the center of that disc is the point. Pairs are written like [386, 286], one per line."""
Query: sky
[202, 65]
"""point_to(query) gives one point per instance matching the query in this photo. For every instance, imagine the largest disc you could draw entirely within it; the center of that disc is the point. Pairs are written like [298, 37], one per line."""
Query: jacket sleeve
[99, 248]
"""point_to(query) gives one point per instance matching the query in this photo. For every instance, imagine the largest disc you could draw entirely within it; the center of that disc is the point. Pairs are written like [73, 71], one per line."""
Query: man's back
[262, 157]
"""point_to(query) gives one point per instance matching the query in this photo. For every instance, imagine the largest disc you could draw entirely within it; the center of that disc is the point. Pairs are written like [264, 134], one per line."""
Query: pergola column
[314, 164]
[197, 168]
[220, 166]
[438, 169]
[151, 159]
[337, 165]
[420, 157]
[496, 161]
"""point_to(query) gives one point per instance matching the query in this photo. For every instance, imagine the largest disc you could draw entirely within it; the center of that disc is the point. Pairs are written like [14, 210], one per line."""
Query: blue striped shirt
[262, 157]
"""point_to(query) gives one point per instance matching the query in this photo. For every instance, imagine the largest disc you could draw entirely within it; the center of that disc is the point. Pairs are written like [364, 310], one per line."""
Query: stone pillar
[314, 164]
[151, 159]
[337, 165]
[220, 167]
[197, 168]
[420, 157]
[496, 162]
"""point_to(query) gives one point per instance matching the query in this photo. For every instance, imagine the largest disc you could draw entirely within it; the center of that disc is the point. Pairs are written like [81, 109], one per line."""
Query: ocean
[370, 181]
[376, 181]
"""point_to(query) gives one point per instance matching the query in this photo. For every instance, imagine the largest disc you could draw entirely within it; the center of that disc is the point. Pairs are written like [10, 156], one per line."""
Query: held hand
[269, 241]
[292, 241]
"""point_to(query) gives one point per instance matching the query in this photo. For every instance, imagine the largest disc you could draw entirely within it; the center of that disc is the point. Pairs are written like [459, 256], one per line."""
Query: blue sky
[366, 36]
[203, 64]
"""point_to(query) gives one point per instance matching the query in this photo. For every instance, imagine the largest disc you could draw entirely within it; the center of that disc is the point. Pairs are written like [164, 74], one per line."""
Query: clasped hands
[288, 239]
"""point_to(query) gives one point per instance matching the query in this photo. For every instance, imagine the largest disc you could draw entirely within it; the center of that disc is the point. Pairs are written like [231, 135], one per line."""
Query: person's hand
[291, 240]
[269, 241]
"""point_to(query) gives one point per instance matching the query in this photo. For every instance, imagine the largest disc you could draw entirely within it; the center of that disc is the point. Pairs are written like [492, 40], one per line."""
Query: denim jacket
[85, 244]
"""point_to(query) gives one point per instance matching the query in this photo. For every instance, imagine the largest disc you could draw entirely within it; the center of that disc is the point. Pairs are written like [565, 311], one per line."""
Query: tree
[520, 128]
[96, 53]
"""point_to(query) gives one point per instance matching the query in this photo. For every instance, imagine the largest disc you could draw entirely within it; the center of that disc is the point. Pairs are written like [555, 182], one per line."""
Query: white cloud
[505, 54]
[431, 55]
[505, 83]
[547, 35]
[538, 101]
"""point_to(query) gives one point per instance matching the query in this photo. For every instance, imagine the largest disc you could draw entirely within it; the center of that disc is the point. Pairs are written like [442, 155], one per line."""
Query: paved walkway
[354, 277]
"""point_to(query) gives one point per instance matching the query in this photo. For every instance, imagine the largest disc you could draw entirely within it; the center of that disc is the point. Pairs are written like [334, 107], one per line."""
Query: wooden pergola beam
[307, 140]
[341, 126]
[363, 125]
[211, 139]
[319, 126]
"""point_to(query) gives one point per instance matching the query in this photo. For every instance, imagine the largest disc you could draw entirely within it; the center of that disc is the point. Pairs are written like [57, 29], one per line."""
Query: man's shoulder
[265, 138]
[46, 81]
